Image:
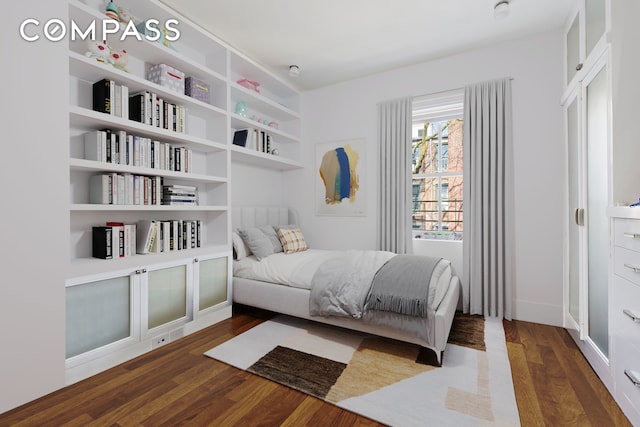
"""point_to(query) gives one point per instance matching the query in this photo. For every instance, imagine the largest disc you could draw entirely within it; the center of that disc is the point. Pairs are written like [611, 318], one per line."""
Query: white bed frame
[295, 301]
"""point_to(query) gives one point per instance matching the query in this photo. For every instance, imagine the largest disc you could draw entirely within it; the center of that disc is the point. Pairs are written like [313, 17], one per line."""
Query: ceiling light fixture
[501, 9]
[294, 71]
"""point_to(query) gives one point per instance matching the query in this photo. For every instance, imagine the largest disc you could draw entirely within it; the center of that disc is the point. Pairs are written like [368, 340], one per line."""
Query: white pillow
[239, 246]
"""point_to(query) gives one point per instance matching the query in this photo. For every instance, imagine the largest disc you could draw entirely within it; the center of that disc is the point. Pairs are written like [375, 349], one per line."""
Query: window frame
[439, 107]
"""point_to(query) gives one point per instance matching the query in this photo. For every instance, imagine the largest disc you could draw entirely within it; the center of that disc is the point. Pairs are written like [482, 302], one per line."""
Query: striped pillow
[292, 240]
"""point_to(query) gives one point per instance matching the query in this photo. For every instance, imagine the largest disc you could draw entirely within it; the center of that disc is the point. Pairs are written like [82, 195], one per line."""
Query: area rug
[382, 379]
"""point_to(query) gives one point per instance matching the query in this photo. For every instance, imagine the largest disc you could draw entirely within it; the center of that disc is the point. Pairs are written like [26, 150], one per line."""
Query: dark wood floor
[176, 385]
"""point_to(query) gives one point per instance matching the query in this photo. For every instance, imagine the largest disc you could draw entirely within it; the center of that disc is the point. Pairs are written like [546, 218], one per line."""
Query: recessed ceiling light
[294, 71]
[501, 9]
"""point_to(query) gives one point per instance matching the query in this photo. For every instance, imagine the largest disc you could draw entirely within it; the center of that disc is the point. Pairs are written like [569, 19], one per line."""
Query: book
[100, 189]
[117, 102]
[129, 239]
[124, 101]
[166, 236]
[145, 236]
[102, 242]
[102, 95]
[117, 237]
[136, 107]
[95, 146]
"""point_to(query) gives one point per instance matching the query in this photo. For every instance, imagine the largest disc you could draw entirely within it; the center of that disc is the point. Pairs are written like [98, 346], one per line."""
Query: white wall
[348, 110]
[252, 186]
[34, 213]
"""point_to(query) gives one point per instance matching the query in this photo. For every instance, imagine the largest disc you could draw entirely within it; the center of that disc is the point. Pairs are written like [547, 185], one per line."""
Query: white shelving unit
[200, 278]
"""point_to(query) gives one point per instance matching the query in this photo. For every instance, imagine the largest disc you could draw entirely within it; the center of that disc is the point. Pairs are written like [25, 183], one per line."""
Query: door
[587, 118]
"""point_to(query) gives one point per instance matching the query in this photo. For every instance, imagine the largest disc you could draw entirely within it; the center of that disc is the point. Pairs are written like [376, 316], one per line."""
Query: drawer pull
[632, 235]
[631, 315]
[633, 268]
[633, 377]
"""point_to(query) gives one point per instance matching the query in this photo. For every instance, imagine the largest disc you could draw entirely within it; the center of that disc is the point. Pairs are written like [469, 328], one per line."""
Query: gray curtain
[488, 178]
[394, 176]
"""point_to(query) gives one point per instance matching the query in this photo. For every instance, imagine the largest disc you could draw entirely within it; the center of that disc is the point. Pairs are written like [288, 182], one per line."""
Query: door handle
[631, 315]
[634, 268]
[579, 216]
[633, 377]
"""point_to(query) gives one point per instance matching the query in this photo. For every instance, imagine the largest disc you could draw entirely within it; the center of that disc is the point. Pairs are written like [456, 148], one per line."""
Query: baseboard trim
[546, 314]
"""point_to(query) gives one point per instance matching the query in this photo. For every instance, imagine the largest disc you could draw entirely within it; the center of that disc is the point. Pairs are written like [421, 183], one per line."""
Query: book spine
[102, 242]
[102, 96]
[118, 101]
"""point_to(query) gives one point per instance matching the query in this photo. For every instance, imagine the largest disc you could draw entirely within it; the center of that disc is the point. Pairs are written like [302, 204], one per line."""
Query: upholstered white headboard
[243, 217]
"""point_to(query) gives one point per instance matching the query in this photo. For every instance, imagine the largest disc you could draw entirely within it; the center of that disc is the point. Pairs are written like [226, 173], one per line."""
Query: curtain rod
[454, 89]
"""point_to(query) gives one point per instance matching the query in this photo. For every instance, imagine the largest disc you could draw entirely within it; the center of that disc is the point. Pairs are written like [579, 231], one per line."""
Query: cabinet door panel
[212, 280]
[97, 313]
[573, 48]
[574, 206]
[167, 295]
[595, 22]
[596, 101]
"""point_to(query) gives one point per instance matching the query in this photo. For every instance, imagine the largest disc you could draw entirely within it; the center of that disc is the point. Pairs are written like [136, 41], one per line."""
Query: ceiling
[337, 40]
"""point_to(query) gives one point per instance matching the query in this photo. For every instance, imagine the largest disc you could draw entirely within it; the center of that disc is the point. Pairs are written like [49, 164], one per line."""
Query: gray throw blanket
[401, 285]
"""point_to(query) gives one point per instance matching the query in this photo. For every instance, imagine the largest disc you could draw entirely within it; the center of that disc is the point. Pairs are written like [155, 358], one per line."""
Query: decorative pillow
[240, 248]
[292, 240]
[259, 242]
[271, 234]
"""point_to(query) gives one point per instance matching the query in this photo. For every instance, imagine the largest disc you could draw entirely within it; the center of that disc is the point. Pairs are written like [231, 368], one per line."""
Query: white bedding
[297, 270]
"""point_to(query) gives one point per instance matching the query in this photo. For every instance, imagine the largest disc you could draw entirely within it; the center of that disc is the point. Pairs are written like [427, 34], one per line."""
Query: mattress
[297, 270]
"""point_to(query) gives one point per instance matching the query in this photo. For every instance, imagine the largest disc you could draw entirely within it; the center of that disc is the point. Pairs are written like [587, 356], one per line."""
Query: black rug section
[305, 372]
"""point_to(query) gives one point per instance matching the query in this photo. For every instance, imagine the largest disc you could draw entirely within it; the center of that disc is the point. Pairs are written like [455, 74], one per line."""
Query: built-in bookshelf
[169, 290]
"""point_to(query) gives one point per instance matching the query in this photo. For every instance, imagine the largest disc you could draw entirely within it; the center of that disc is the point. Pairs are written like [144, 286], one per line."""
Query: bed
[281, 282]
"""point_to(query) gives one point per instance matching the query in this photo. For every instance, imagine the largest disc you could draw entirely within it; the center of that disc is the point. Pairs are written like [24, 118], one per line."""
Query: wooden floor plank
[526, 397]
[176, 385]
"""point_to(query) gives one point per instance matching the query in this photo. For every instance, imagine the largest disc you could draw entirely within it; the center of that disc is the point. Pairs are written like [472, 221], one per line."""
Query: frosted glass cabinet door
[213, 280]
[573, 124]
[595, 23]
[596, 100]
[166, 295]
[572, 46]
[98, 313]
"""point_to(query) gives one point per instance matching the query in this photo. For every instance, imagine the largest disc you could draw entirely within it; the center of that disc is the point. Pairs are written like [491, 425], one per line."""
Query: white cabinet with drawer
[625, 316]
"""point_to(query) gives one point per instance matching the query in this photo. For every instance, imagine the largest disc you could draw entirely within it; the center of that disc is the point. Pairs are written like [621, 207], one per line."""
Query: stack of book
[118, 147]
[148, 108]
[125, 189]
[145, 107]
[168, 235]
[179, 195]
[111, 98]
[114, 240]
[253, 139]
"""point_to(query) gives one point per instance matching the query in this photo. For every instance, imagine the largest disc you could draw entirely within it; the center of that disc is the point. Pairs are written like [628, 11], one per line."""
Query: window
[437, 147]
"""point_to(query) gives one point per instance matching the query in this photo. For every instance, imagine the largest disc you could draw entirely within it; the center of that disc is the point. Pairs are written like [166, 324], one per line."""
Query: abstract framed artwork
[339, 170]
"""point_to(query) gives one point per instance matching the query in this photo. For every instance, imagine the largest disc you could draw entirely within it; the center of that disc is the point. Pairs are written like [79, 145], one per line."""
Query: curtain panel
[394, 176]
[488, 194]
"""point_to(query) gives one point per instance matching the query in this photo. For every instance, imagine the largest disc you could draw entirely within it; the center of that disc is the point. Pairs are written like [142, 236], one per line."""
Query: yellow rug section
[377, 363]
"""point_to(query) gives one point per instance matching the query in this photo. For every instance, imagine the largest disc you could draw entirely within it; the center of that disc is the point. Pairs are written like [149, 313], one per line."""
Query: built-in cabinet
[119, 308]
[602, 258]
[625, 310]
